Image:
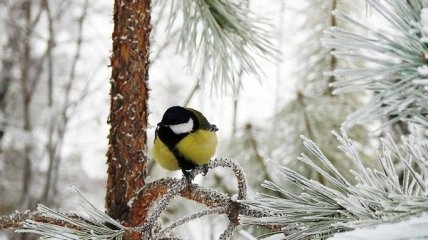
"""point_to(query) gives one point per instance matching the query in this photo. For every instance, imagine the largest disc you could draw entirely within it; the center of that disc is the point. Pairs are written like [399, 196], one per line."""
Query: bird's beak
[161, 124]
[214, 128]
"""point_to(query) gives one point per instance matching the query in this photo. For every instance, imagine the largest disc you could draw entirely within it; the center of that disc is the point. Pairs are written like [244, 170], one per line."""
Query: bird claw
[189, 175]
[204, 169]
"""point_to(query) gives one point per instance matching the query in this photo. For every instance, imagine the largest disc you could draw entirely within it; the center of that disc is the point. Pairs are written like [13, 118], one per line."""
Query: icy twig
[163, 204]
[239, 174]
[96, 225]
[228, 232]
[216, 210]
[17, 219]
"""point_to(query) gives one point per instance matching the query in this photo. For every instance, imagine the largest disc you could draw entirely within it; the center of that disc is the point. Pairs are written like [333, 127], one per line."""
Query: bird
[184, 139]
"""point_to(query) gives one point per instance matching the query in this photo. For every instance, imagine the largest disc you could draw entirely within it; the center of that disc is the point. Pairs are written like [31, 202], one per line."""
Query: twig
[228, 232]
[333, 59]
[218, 210]
[16, 220]
[163, 204]
[239, 174]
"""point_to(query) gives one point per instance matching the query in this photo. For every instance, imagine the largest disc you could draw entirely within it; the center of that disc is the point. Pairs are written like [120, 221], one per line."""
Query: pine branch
[17, 219]
[312, 111]
[378, 196]
[221, 38]
[98, 225]
[395, 59]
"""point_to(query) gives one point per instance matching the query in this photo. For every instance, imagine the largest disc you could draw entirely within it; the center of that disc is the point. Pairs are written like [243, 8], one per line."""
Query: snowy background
[171, 83]
[291, 99]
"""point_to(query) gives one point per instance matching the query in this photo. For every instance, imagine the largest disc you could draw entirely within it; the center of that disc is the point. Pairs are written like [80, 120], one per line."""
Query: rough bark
[126, 156]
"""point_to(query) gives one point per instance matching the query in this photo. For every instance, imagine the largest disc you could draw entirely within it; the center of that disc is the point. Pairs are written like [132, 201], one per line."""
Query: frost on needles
[383, 195]
[389, 60]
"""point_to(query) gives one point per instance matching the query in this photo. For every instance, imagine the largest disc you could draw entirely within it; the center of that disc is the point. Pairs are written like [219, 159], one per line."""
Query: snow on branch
[375, 196]
[17, 219]
[95, 224]
[394, 57]
[179, 186]
[222, 38]
[414, 228]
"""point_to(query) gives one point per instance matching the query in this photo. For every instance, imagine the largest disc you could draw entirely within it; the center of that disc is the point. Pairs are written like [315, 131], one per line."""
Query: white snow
[424, 17]
[420, 81]
[234, 197]
[424, 23]
[423, 70]
[414, 228]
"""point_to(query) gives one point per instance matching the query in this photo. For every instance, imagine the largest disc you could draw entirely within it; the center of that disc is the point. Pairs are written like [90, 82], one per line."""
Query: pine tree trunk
[128, 114]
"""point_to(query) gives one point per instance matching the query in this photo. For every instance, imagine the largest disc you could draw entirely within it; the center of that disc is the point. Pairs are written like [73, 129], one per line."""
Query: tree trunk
[126, 156]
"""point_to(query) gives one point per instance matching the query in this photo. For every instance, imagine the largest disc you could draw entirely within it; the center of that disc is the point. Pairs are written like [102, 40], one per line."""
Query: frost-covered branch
[182, 186]
[228, 232]
[17, 219]
[221, 38]
[239, 174]
[377, 196]
[95, 225]
[395, 62]
[181, 221]
[98, 225]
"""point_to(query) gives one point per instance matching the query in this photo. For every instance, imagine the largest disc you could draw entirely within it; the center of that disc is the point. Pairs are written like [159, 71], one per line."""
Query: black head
[179, 120]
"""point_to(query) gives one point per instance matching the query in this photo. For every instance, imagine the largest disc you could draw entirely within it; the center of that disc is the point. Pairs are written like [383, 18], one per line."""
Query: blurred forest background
[54, 101]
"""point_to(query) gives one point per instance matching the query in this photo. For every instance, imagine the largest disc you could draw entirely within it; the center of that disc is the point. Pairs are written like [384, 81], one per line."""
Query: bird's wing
[203, 122]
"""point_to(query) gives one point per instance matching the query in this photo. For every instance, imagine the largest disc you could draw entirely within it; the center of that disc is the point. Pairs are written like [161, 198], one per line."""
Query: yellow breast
[163, 156]
[198, 147]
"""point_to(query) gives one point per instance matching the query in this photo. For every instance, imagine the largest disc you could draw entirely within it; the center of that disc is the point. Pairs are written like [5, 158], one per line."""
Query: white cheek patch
[182, 127]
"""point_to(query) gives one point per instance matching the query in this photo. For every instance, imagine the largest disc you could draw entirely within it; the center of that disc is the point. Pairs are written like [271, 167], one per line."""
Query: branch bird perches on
[98, 225]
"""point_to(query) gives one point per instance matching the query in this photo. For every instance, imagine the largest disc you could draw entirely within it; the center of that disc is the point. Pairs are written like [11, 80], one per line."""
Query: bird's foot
[188, 175]
[204, 169]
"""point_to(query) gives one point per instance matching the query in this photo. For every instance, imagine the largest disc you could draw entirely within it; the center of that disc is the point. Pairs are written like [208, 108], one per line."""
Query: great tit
[184, 139]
